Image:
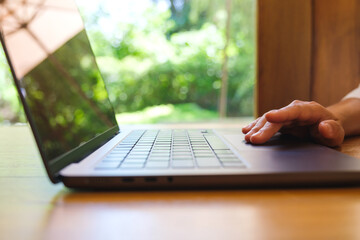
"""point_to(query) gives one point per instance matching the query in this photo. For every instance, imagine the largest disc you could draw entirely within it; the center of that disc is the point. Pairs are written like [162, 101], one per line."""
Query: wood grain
[33, 208]
[307, 50]
[283, 52]
[336, 48]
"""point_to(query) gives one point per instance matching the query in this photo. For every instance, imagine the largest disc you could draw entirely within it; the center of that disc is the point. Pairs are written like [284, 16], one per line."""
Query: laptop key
[182, 158]
[216, 143]
[232, 159]
[208, 163]
[218, 152]
[177, 149]
[159, 159]
[204, 155]
[131, 165]
[234, 164]
[127, 160]
[223, 157]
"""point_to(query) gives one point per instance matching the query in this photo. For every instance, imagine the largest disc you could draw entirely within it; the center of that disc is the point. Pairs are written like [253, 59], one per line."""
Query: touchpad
[278, 142]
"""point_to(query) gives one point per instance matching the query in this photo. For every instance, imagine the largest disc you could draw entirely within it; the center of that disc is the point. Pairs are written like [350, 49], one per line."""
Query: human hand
[301, 119]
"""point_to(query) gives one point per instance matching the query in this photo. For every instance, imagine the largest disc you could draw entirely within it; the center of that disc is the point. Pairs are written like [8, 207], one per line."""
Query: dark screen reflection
[69, 103]
[61, 85]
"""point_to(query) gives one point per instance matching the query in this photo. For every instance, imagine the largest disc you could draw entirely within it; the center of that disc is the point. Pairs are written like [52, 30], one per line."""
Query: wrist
[336, 113]
[347, 113]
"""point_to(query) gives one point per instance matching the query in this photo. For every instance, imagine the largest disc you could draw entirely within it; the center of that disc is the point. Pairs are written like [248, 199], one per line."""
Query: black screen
[56, 73]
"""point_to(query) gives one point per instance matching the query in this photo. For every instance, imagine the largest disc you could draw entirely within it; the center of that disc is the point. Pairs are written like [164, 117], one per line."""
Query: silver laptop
[81, 144]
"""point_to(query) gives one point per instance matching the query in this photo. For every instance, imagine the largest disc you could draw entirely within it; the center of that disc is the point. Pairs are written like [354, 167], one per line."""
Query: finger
[250, 126]
[265, 133]
[297, 131]
[304, 113]
[260, 123]
[331, 133]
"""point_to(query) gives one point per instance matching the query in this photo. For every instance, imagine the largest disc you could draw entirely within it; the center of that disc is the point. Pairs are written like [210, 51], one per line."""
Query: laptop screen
[56, 74]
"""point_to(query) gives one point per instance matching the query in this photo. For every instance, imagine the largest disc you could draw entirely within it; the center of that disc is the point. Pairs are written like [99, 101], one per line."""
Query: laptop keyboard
[162, 149]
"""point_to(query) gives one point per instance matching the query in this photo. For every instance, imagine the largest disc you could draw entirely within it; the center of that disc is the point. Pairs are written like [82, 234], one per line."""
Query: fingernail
[329, 129]
[248, 136]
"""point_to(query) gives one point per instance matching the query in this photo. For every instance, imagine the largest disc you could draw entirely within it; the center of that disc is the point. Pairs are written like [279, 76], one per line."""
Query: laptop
[81, 144]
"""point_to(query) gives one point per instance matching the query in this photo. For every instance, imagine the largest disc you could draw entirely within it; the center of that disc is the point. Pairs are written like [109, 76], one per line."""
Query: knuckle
[296, 102]
[260, 120]
[318, 108]
[296, 108]
[268, 112]
[256, 128]
[314, 104]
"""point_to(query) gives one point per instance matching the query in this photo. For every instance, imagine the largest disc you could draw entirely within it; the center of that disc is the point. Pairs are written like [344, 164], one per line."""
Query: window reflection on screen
[59, 78]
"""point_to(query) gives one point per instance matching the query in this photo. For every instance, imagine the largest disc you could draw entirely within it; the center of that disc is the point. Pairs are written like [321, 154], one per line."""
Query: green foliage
[165, 56]
[10, 106]
[176, 56]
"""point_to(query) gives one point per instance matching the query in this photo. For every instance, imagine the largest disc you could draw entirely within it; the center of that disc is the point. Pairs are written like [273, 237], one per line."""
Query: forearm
[348, 113]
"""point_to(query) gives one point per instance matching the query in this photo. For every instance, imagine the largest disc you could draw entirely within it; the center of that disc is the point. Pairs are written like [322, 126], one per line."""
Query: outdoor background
[165, 60]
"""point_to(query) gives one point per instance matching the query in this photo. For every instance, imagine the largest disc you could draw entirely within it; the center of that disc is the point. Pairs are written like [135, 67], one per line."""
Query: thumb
[330, 133]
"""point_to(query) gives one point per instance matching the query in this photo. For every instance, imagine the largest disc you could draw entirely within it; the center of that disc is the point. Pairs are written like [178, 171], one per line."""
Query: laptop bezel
[54, 166]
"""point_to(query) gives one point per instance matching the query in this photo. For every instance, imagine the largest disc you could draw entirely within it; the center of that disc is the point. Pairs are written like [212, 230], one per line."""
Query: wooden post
[307, 50]
[224, 71]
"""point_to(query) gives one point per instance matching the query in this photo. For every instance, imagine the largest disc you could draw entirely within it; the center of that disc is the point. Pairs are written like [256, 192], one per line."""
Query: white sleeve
[354, 93]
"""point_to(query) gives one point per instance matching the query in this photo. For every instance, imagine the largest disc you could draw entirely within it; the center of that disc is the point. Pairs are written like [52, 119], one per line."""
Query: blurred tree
[177, 56]
[169, 55]
[224, 70]
[10, 106]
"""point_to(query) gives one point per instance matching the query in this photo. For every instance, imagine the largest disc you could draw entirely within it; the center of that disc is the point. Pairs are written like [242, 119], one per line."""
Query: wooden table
[33, 208]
